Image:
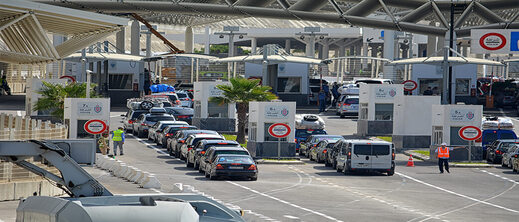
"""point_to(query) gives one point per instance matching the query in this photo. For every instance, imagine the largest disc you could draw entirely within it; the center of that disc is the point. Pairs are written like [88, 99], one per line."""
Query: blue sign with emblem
[514, 41]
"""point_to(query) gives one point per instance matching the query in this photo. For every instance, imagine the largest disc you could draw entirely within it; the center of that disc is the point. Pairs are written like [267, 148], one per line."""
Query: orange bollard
[410, 163]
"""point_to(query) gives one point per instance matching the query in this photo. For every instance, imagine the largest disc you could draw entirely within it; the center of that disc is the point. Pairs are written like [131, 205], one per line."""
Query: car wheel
[334, 165]
[503, 163]
[513, 169]
[345, 170]
[164, 145]
[170, 152]
[211, 177]
[140, 134]
[391, 172]
[188, 164]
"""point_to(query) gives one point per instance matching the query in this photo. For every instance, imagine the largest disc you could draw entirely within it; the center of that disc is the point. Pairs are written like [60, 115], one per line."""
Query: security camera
[83, 60]
[241, 36]
[406, 41]
[221, 36]
[302, 37]
[321, 37]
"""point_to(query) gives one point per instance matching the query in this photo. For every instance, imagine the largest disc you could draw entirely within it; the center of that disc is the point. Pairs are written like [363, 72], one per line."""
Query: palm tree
[53, 96]
[242, 91]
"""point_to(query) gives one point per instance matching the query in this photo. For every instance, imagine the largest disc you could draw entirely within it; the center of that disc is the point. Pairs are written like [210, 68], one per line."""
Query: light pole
[88, 75]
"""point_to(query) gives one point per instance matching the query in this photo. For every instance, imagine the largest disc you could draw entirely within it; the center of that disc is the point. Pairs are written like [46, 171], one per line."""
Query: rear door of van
[381, 156]
[361, 156]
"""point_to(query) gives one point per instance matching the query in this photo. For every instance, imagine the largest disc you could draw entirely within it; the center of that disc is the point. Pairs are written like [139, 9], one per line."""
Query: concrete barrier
[129, 173]
[151, 182]
[107, 164]
[115, 166]
[119, 169]
[143, 176]
[177, 188]
[138, 174]
[124, 171]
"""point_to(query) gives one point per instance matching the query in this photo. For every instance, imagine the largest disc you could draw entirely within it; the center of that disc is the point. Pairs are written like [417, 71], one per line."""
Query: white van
[368, 155]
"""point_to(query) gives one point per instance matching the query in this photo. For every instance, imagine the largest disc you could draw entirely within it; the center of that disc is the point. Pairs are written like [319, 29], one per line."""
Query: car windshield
[306, 133]
[181, 111]
[218, 145]
[159, 118]
[235, 159]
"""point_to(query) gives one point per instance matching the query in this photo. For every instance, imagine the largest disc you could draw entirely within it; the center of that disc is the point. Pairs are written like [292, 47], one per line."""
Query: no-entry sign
[95, 126]
[469, 133]
[279, 130]
[410, 85]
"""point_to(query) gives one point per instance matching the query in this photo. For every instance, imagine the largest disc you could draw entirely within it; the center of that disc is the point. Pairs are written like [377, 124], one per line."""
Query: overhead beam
[464, 32]
[440, 16]
[464, 15]
[418, 14]
[256, 3]
[364, 8]
[487, 14]
[308, 5]
[17, 19]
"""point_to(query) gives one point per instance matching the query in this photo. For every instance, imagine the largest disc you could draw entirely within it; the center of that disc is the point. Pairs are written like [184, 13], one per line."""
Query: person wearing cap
[443, 156]
[118, 138]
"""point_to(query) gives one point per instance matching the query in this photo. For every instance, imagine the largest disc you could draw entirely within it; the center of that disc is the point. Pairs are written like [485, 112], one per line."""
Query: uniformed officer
[443, 156]
[118, 138]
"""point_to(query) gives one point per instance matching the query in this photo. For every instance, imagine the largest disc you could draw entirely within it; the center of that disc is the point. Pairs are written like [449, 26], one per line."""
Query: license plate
[235, 167]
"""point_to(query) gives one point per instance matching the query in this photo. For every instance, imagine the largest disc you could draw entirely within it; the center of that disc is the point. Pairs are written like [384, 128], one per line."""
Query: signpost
[470, 133]
[95, 126]
[279, 130]
[410, 85]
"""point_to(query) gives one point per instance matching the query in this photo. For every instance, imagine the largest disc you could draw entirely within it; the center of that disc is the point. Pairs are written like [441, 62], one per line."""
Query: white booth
[209, 115]
[447, 120]
[376, 106]
[261, 116]
[412, 121]
[78, 111]
[31, 97]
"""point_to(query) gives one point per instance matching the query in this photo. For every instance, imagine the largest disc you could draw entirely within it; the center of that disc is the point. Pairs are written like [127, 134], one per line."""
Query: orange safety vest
[443, 153]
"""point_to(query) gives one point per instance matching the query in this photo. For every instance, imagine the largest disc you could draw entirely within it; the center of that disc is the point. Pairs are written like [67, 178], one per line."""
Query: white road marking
[457, 194]
[504, 178]
[284, 201]
[149, 145]
[290, 217]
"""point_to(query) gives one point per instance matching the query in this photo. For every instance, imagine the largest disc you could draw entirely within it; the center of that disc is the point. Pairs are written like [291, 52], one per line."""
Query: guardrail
[24, 128]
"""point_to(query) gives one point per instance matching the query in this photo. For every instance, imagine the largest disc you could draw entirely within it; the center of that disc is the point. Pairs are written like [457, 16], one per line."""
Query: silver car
[508, 156]
[349, 105]
[185, 100]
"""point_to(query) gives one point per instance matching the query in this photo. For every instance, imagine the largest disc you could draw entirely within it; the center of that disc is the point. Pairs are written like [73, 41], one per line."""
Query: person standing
[443, 156]
[335, 92]
[104, 144]
[322, 101]
[118, 138]
[4, 85]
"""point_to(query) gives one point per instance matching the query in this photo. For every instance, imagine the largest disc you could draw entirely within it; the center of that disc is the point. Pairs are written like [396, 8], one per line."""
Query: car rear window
[235, 159]
[490, 136]
[306, 133]
[136, 114]
[352, 101]
[218, 145]
[371, 149]
[238, 152]
[159, 118]
[196, 140]
[505, 136]
[175, 129]
[182, 95]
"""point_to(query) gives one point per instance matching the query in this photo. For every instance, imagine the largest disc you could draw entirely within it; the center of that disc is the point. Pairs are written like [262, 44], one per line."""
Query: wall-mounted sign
[276, 112]
[459, 115]
[469, 133]
[90, 109]
[215, 92]
[385, 93]
[505, 41]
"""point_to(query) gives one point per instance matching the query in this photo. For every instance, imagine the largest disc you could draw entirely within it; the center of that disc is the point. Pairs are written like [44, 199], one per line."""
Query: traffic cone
[410, 162]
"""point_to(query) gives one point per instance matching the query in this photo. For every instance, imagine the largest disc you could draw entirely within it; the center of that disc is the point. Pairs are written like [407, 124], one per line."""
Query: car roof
[238, 155]
[170, 122]
[369, 141]
[219, 141]
[228, 148]
[205, 135]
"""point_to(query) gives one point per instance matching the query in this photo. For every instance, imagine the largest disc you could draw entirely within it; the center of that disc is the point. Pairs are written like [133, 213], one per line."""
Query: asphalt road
[312, 192]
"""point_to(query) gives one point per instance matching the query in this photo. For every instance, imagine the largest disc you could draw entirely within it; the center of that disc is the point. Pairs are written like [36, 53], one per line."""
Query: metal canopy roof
[24, 26]
[102, 56]
[416, 16]
[271, 58]
[440, 59]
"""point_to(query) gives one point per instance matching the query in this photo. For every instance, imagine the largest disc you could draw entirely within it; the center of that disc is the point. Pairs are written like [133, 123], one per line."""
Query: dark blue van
[491, 135]
[302, 134]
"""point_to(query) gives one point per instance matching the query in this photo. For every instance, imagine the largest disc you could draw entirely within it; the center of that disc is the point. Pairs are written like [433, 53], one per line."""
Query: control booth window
[217, 110]
[289, 85]
[435, 85]
[120, 81]
[383, 111]
[462, 87]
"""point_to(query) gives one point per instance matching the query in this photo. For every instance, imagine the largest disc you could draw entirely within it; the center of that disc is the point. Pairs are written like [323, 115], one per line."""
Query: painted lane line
[284, 201]
[157, 191]
[504, 178]
[149, 145]
[457, 194]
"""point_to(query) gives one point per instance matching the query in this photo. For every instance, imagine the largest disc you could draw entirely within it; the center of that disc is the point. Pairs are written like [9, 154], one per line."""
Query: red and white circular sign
[279, 130]
[95, 126]
[410, 85]
[470, 133]
[70, 78]
[492, 41]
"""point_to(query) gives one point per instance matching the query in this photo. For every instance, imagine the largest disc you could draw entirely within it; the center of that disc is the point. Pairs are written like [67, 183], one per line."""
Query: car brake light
[223, 143]
[202, 152]
[324, 151]
[130, 121]
[393, 156]
[189, 148]
[143, 124]
[498, 152]
[181, 141]
[252, 167]
[182, 117]
[177, 102]
[315, 145]
[169, 134]
[235, 164]
[349, 154]
[346, 104]
[219, 167]
[295, 140]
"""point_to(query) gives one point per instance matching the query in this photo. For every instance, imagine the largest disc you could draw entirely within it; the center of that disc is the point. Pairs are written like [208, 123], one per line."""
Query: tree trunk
[242, 119]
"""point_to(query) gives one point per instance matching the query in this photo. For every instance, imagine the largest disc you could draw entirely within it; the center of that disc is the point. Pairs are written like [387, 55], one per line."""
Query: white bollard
[116, 165]
[151, 182]
[177, 188]
[120, 170]
[107, 164]
[129, 173]
[143, 176]
[138, 174]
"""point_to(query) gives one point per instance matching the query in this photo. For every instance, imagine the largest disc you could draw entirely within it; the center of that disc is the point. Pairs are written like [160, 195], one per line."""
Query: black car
[145, 121]
[214, 151]
[496, 150]
[312, 141]
[175, 143]
[193, 155]
[181, 113]
[321, 150]
[231, 165]
[170, 131]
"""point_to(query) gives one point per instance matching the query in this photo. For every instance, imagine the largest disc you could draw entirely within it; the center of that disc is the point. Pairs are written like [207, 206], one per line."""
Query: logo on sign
[98, 108]
[284, 112]
[392, 93]
[470, 115]
[492, 41]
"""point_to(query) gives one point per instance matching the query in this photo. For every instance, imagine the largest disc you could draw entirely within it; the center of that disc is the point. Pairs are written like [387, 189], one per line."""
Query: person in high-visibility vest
[118, 138]
[443, 156]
